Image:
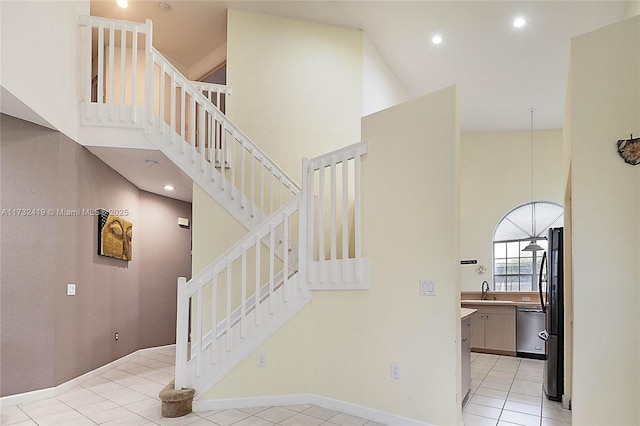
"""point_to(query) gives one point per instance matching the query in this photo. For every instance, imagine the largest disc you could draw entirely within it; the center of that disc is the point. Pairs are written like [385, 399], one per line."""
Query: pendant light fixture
[532, 245]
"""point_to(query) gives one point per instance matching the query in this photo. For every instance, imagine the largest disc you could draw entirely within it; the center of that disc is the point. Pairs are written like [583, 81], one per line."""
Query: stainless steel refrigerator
[553, 382]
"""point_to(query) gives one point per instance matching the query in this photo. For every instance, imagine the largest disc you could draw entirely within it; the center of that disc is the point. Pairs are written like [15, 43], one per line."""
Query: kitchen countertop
[497, 303]
[466, 312]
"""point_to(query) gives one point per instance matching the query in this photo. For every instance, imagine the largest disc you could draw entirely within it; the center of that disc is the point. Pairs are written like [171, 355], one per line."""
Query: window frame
[518, 228]
[536, 258]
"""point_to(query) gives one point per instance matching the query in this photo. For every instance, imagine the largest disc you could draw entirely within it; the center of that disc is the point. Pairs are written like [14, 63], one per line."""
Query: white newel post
[303, 227]
[182, 330]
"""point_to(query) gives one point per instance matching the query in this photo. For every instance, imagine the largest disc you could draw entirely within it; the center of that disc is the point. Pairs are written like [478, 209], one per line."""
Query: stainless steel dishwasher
[530, 321]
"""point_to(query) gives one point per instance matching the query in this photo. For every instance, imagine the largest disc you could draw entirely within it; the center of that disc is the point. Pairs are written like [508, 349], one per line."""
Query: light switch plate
[427, 288]
[71, 289]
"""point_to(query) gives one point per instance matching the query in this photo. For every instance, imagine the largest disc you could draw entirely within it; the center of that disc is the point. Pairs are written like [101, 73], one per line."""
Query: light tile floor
[507, 390]
[127, 395]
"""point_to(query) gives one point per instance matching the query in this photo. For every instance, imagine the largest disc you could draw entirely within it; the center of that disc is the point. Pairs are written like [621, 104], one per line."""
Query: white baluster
[172, 108]
[232, 164]
[272, 257]
[271, 192]
[192, 128]
[357, 225]
[333, 227]
[183, 119]
[201, 138]
[285, 252]
[305, 231]
[243, 149]
[243, 296]
[321, 236]
[345, 216]
[262, 185]
[214, 317]
[88, 64]
[161, 97]
[148, 85]
[253, 183]
[229, 289]
[123, 60]
[198, 331]
[100, 90]
[223, 155]
[134, 75]
[111, 72]
[257, 294]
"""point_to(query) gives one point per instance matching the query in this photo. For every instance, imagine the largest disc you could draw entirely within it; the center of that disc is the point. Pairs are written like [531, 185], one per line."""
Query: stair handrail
[202, 100]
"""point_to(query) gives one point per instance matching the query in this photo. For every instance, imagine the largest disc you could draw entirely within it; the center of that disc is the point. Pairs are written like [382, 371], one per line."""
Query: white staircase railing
[216, 93]
[130, 84]
[235, 303]
[332, 206]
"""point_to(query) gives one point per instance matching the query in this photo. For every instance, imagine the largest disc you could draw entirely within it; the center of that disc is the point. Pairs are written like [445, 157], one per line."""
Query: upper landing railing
[128, 83]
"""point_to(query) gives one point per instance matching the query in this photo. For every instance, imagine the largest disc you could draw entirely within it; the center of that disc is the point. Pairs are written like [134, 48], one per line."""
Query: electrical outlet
[261, 360]
[117, 336]
[395, 370]
[526, 299]
[71, 289]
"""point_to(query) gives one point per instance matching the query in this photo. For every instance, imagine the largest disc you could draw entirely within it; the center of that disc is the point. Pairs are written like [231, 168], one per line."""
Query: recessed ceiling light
[169, 187]
[151, 162]
[519, 22]
[165, 7]
[123, 3]
[436, 39]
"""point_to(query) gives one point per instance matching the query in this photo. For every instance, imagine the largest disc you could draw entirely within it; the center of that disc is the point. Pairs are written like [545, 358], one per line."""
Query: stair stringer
[207, 176]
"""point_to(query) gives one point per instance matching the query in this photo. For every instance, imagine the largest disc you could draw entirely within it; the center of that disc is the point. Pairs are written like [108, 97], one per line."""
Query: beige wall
[297, 86]
[341, 345]
[391, 322]
[633, 9]
[305, 100]
[303, 97]
[47, 337]
[605, 93]
[495, 169]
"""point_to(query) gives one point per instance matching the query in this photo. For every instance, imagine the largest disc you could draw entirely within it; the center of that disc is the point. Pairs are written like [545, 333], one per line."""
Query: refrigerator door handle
[542, 301]
[543, 335]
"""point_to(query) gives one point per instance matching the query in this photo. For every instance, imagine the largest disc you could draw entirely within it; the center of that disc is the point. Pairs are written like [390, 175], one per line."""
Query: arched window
[513, 269]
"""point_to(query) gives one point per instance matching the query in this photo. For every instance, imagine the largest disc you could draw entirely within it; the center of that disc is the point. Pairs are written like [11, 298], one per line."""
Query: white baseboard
[37, 395]
[301, 399]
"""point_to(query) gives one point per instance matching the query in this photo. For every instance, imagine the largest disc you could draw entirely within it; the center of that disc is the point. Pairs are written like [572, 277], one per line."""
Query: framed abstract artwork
[115, 236]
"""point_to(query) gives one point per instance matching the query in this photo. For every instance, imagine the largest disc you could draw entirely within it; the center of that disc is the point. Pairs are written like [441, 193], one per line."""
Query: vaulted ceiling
[501, 71]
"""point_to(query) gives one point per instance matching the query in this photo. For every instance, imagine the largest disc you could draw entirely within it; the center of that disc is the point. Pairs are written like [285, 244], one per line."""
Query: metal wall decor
[629, 150]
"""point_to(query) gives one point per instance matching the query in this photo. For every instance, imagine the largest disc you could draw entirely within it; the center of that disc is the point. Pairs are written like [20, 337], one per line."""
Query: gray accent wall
[47, 337]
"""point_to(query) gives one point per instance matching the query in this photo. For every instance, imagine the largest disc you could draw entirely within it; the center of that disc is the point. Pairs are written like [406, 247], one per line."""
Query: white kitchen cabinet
[466, 358]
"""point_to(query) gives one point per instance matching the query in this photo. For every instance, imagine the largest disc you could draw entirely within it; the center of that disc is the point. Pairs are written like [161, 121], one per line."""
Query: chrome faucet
[485, 289]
